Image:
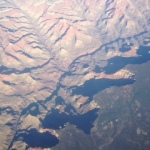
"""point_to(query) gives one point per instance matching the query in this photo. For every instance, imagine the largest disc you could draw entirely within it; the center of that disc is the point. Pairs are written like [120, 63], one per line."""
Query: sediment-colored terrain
[51, 49]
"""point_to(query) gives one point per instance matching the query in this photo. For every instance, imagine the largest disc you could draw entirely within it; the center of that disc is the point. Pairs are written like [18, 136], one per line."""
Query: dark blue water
[91, 87]
[125, 47]
[55, 120]
[117, 63]
[84, 122]
[35, 139]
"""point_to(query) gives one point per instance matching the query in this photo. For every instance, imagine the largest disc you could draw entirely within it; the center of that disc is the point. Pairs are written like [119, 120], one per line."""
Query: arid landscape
[77, 70]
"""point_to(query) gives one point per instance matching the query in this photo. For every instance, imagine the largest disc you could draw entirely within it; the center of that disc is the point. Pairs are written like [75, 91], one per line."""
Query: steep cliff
[52, 50]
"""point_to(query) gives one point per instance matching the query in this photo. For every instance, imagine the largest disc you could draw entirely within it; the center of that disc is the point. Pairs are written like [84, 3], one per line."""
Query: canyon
[56, 55]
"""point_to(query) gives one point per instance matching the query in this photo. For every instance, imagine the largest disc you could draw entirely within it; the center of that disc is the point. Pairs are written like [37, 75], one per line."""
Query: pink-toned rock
[49, 48]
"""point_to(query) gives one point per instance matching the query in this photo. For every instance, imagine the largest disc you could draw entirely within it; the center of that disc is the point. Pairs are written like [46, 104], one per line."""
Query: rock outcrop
[51, 49]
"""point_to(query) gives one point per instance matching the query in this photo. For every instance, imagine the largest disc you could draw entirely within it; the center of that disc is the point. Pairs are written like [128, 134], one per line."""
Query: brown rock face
[52, 50]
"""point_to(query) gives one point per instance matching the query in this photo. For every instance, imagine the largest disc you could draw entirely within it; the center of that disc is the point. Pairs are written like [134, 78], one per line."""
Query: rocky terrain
[56, 55]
